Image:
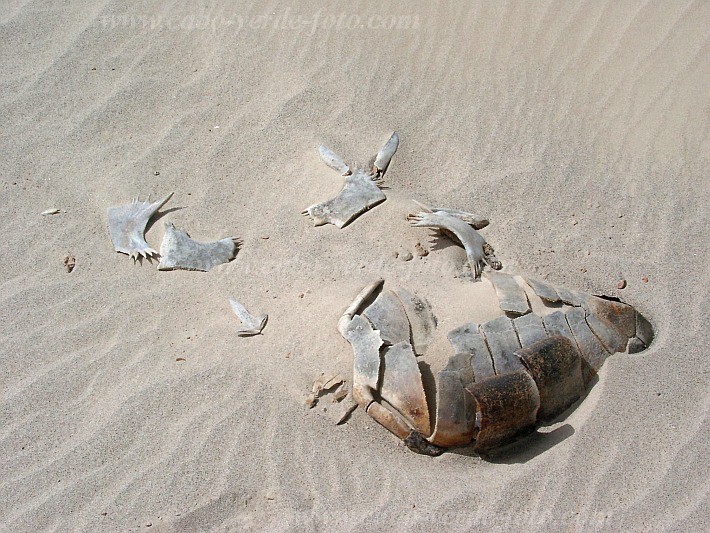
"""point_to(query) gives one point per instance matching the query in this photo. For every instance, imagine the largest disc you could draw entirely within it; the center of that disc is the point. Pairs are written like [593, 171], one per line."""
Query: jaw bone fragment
[361, 190]
[506, 376]
[179, 251]
[251, 325]
[459, 226]
[127, 223]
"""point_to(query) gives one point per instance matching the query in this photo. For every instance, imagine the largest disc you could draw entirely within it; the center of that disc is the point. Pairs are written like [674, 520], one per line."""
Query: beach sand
[579, 129]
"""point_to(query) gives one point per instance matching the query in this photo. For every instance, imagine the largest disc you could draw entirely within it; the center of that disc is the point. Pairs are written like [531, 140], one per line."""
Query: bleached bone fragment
[127, 223]
[473, 220]
[251, 324]
[511, 296]
[360, 192]
[179, 251]
[478, 251]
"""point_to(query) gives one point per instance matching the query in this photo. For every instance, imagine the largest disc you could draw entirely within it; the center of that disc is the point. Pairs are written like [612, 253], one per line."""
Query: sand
[579, 129]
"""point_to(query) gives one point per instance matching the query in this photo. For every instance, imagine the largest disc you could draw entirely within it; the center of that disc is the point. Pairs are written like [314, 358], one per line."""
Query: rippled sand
[579, 129]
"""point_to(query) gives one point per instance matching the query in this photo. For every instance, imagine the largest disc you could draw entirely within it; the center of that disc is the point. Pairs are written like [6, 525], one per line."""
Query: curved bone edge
[556, 366]
[402, 386]
[478, 222]
[127, 223]
[333, 161]
[502, 342]
[508, 405]
[422, 322]
[593, 352]
[529, 329]
[419, 444]
[543, 290]
[619, 315]
[358, 195]
[356, 304]
[511, 296]
[470, 239]
[388, 316]
[389, 419]
[612, 340]
[179, 251]
[384, 156]
[556, 324]
[366, 344]
[251, 325]
[455, 408]
[644, 330]
[467, 340]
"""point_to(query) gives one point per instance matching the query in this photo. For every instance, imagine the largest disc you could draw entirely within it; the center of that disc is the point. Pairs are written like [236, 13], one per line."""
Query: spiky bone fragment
[361, 190]
[251, 324]
[478, 251]
[127, 223]
[179, 251]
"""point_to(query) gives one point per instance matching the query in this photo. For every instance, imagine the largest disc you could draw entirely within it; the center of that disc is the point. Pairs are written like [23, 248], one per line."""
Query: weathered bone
[179, 252]
[543, 290]
[387, 315]
[356, 304]
[511, 296]
[251, 324]
[360, 192]
[476, 221]
[471, 240]
[127, 223]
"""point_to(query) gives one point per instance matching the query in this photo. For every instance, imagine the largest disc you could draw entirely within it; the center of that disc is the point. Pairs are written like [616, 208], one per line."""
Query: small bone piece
[50, 212]
[511, 297]
[360, 192]
[127, 223]
[475, 221]
[251, 325]
[179, 251]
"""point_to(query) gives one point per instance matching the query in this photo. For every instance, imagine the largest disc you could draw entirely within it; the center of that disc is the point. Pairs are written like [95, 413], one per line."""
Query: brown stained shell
[619, 315]
[612, 340]
[389, 419]
[508, 405]
[644, 330]
[593, 352]
[555, 365]
[455, 407]
[402, 386]
[502, 342]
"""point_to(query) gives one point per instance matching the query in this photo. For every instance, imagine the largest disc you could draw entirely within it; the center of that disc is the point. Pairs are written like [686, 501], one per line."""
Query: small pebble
[407, 256]
[420, 250]
[156, 173]
[644, 279]
[621, 284]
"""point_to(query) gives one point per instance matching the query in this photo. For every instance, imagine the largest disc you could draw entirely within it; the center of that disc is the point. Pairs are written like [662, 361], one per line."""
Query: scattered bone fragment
[127, 224]
[251, 324]
[50, 212]
[179, 251]
[322, 385]
[478, 251]
[69, 263]
[543, 290]
[360, 192]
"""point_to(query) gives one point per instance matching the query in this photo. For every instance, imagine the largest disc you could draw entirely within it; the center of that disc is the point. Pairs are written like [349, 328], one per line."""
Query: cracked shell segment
[402, 386]
[366, 344]
[388, 316]
[421, 319]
